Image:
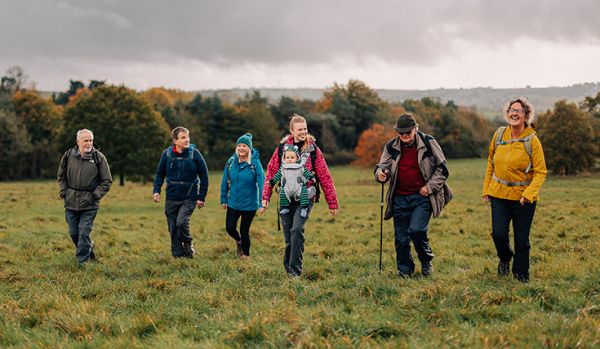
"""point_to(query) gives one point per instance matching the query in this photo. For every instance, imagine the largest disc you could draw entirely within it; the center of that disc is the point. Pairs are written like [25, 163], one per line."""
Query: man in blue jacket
[185, 170]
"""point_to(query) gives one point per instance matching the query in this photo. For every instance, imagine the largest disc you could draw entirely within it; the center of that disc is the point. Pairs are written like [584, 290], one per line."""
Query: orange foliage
[324, 104]
[84, 91]
[159, 96]
[370, 145]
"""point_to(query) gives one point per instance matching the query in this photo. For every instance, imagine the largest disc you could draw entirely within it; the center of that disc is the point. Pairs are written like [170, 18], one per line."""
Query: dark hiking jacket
[83, 179]
[184, 172]
[432, 165]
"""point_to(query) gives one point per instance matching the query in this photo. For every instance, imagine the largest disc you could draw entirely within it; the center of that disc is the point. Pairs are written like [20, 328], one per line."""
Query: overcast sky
[209, 44]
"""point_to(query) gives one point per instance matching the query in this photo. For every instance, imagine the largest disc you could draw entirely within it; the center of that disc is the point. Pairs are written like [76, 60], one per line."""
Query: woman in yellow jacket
[516, 170]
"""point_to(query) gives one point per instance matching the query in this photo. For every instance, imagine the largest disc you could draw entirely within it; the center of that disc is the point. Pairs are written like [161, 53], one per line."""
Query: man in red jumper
[417, 168]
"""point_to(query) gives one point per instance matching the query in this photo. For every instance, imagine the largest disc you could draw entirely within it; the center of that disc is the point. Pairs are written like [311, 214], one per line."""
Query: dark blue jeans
[80, 227]
[293, 233]
[503, 212]
[178, 214]
[411, 222]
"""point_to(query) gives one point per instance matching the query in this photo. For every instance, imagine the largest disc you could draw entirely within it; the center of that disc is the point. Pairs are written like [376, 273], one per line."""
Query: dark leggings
[231, 227]
[503, 212]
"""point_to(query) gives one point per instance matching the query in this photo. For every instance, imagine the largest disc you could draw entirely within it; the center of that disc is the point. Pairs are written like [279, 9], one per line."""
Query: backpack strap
[228, 165]
[527, 144]
[313, 158]
[429, 152]
[389, 146]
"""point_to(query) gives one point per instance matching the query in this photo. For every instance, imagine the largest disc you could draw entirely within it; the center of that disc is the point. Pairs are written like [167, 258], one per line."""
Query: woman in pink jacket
[293, 222]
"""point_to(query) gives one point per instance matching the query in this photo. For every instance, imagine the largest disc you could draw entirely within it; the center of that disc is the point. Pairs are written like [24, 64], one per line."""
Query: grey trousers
[178, 214]
[80, 227]
[293, 233]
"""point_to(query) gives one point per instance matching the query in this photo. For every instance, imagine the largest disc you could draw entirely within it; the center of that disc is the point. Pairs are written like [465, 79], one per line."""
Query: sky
[220, 44]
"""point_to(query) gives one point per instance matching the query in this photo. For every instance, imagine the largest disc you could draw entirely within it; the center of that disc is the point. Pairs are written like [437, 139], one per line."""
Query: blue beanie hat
[245, 139]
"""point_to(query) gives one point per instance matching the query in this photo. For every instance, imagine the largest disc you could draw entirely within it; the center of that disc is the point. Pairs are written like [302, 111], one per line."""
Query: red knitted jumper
[410, 179]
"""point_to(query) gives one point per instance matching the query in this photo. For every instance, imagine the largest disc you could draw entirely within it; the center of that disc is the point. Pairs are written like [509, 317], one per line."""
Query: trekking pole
[278, 209]
[381, 227]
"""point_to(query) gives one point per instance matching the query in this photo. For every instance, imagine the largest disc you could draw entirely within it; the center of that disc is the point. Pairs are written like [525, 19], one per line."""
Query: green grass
[138, 296]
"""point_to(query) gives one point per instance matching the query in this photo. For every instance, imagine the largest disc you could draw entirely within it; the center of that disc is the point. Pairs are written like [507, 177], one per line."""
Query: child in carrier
[293, 176]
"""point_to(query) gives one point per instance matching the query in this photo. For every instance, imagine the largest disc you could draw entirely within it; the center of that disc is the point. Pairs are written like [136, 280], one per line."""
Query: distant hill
[487, 100]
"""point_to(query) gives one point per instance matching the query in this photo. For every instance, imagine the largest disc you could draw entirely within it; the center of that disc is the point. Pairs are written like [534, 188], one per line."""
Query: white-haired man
[83, 178]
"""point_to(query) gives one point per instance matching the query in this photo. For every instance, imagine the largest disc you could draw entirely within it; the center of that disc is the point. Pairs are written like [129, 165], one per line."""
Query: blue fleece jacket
[242, 183]
[182, 172]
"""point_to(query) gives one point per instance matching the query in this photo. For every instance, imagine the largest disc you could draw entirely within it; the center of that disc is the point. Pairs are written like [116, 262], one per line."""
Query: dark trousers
[178, 214]
[293, 234]
[243, 237]
[80, 228]
[503, 212]
[411, 222]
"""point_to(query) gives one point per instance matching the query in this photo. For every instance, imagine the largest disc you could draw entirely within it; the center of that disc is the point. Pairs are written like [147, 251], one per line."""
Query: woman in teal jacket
[241, 187]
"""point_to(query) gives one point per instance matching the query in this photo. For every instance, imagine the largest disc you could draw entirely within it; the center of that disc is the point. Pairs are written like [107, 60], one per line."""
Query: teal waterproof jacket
[242, 183]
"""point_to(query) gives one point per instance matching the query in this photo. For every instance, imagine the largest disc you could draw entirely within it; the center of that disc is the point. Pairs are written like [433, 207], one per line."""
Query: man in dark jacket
[84, 178]
[181, 164]
[416, 167]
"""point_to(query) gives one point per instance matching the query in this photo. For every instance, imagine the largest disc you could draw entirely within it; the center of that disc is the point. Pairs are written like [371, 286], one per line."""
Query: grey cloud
[274, 31]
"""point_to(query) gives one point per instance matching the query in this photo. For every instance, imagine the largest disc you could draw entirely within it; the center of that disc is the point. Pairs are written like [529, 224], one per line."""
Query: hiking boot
[403, 275]
[427, 268]
[503, 268]
[188, 249]
[524, 278]
[239, 249]
[244, 257]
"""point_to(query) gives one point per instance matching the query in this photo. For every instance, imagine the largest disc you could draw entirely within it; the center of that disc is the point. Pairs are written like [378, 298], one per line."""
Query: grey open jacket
[82, 182]
[433, 168]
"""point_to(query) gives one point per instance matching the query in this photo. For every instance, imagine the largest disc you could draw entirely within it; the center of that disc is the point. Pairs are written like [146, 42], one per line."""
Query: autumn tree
[42, 120]
[255, 116]
[286, 107]
[371, 143]
[356, 107]
[76, 89]
[128, 130]
[460, 131]
[15, 146]
[567, 136]
[592, 106]
[14, 80]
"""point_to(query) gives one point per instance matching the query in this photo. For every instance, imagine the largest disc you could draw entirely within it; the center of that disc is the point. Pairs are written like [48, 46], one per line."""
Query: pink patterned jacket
[321, 171]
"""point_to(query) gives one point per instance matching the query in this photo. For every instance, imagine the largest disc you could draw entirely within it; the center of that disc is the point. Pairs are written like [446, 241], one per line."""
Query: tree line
[350, 122]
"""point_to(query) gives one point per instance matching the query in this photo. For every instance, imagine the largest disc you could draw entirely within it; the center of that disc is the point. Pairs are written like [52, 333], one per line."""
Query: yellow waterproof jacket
[508, 163]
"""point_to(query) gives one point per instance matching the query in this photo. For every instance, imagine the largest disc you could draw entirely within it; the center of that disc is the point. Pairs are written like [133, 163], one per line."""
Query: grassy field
[138, 296]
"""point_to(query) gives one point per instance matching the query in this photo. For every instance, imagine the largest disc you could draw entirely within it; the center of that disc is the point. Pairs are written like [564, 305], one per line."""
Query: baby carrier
[292, 179]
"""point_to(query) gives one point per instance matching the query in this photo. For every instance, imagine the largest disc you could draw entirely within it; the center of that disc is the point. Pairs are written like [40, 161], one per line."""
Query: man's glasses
[405, 133]
[519, 111]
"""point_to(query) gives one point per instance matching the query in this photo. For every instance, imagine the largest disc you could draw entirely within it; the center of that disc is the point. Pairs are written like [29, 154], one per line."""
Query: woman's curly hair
[528, 107]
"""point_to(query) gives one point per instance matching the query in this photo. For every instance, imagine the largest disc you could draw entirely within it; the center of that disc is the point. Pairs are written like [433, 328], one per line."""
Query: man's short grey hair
[82, 131]
[177, 130]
